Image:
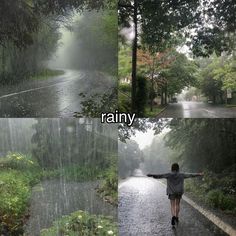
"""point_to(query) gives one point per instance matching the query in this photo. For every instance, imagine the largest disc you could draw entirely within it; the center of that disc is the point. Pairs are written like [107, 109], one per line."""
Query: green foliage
[95, 41]
[74, 173]
[218, 199]
[97, 104]
[109, 186]
[124, 102]
[82, 223]
[124, 95]
[47, 73]
[196, 147]
[18, 161]
[217, 74]
[130, 157]
[125, 88]
[215, 190]
[124, 62]
[18, 173]
[155, 111]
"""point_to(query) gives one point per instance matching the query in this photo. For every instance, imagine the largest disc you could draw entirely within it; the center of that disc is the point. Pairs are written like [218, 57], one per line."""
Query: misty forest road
[197, 110]
[144, 209]
[55, 97]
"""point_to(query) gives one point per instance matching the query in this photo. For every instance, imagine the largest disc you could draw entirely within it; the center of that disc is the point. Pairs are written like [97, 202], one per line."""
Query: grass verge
[46, 74]
[156, 110]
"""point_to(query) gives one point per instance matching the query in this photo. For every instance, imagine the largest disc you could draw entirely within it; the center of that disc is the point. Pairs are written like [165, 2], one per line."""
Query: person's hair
[175, 167]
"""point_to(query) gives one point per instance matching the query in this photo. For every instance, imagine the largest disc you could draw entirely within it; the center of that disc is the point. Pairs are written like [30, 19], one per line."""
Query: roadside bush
[124, 103]
[18, 173]
[109, 186]
[126, 88]
[83, 224]
[216, 190]
[217, 199]
[14, 195]
[18, 161]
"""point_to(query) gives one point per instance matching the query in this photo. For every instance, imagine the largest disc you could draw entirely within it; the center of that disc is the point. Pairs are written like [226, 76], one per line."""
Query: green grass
[46, 74]
[230, 105]
[155, 112]
[74, 173]
[83, 224]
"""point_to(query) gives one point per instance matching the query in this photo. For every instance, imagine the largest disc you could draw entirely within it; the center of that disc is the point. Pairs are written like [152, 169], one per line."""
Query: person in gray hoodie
[175, 188]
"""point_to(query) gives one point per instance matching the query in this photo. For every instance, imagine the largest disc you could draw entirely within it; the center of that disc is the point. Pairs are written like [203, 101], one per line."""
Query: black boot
[173, 220]
[177, 220]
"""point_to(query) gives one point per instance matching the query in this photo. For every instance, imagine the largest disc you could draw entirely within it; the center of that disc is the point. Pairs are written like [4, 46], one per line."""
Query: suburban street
[54, 97]
[197, 110]
[144, 209]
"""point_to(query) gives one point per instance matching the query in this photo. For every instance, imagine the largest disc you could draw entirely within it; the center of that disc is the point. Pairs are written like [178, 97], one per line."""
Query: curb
[210, 216]
[162, 110]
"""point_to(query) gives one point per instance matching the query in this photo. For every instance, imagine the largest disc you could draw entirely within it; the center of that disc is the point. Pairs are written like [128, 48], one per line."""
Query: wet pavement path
[54, 97]
[54, 198]
[197, 110]
[144, 210]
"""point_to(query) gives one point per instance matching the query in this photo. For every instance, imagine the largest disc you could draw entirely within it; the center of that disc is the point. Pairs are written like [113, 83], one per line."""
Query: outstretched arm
[158, 176]
[192, 175]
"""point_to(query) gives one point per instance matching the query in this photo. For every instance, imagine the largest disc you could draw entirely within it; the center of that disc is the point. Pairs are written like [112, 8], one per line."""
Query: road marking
[212, 113]
[228, 229]
[39, 88]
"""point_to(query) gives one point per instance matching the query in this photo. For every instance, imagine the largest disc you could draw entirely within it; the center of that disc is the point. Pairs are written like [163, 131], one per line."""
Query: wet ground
[197, 110]
[54, 97]
[144, 209]
[54, 198]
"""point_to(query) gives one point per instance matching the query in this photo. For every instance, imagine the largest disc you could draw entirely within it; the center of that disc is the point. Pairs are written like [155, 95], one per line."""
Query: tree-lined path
[144, 209]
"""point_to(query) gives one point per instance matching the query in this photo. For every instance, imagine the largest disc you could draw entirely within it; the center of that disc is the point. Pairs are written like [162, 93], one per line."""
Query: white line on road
[212, 113]
[34, 89]
[210, 216]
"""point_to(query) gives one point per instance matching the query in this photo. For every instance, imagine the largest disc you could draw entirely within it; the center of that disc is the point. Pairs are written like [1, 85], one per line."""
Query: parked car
[174, 100]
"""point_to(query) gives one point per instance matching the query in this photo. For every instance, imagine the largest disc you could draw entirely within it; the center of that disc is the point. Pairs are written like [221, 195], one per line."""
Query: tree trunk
[165, 94]
[162, 96]
[134, 55]
[152, 91]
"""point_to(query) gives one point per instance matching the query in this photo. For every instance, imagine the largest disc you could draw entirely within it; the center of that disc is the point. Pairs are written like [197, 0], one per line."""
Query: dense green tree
[130, 156]
[95, 42]
[204, 143]
[158, 22]
[61, 143]
[215, 29]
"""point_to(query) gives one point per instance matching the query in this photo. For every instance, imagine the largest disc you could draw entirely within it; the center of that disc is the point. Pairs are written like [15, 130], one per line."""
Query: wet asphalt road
[144, 210]
[197, 110]
[54, 97]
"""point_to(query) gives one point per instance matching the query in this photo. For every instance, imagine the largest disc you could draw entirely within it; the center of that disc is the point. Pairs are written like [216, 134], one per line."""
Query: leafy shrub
[18, 161]
[14, 196]
[18, 173]
[124, 103]
[83, 224]
[109, 186]
[126, 88]
[217, 199]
